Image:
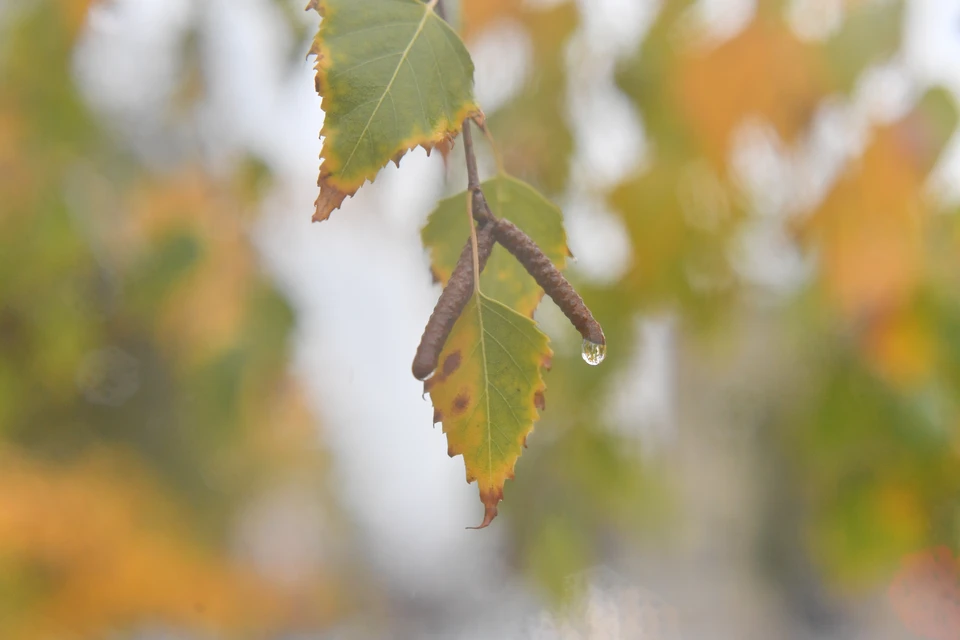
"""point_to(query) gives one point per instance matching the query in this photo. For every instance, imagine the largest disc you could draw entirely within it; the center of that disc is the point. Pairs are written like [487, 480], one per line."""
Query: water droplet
[593, 353]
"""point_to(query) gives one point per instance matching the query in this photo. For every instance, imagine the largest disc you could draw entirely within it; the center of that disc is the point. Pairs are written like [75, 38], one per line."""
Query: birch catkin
[538, 265]
[452, 301]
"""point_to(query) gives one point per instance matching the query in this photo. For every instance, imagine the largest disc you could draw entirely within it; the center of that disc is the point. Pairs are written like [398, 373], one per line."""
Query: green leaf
[504, 279]
[392, 75]
[487, 390]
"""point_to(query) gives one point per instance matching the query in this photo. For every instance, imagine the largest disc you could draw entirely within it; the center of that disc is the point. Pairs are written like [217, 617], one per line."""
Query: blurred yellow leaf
[479, 14]
[900, 347]
[203, 312]
[869, 230]
[116, 546]
[74, 14]
[762, 72]
[869, 530]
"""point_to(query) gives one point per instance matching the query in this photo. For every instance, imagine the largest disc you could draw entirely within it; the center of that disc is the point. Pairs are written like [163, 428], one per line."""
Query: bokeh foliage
[863, 420]
[144, 392]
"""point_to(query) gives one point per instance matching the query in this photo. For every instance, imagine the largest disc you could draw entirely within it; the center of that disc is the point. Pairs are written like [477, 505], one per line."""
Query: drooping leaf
[504, 279]
[487, 390]
[392, 75]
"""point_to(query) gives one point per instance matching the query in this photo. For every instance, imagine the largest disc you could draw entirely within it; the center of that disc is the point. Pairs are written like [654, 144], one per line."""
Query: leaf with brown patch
[393, 75]
[487, 392]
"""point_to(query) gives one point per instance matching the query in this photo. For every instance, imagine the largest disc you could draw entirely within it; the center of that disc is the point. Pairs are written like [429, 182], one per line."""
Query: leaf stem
[497, 156]
[474, 197]
[473, 244]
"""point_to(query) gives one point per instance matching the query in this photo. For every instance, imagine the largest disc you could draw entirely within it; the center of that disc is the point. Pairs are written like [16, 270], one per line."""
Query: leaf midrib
[428, 9]
[486, 382]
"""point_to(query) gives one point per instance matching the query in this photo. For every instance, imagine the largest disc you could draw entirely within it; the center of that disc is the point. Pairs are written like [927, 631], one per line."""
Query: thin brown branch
[474, 243]
[481, 211]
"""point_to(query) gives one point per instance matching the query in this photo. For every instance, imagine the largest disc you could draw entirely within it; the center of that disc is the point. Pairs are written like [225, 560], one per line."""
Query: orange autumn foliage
[869, 233]
[479, 14]
[74, 15]
[764, 71]
[900, 347]
[117, 548]
[203, 315]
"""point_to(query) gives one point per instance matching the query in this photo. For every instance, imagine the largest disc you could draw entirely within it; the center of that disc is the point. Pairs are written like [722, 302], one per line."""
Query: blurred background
[208, 425]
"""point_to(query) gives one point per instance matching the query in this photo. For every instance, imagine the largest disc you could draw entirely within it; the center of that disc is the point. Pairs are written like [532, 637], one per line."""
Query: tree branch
[481, 210]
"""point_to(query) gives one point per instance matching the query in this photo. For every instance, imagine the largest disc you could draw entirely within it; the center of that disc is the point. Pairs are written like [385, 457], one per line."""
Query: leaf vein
[340, 72]
[416, 83]
[519, 330]
[509, 355]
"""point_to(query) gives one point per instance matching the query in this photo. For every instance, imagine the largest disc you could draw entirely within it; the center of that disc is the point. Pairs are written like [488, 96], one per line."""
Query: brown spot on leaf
[539, 401]
[547, 362]
[460, 403]
[437, 416]
[451, 363]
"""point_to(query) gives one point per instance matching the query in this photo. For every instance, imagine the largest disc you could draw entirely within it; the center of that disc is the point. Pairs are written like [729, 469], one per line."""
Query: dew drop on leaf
[593, 353]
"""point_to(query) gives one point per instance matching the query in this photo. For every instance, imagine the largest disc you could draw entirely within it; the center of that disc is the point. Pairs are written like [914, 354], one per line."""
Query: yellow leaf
[487, 390]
